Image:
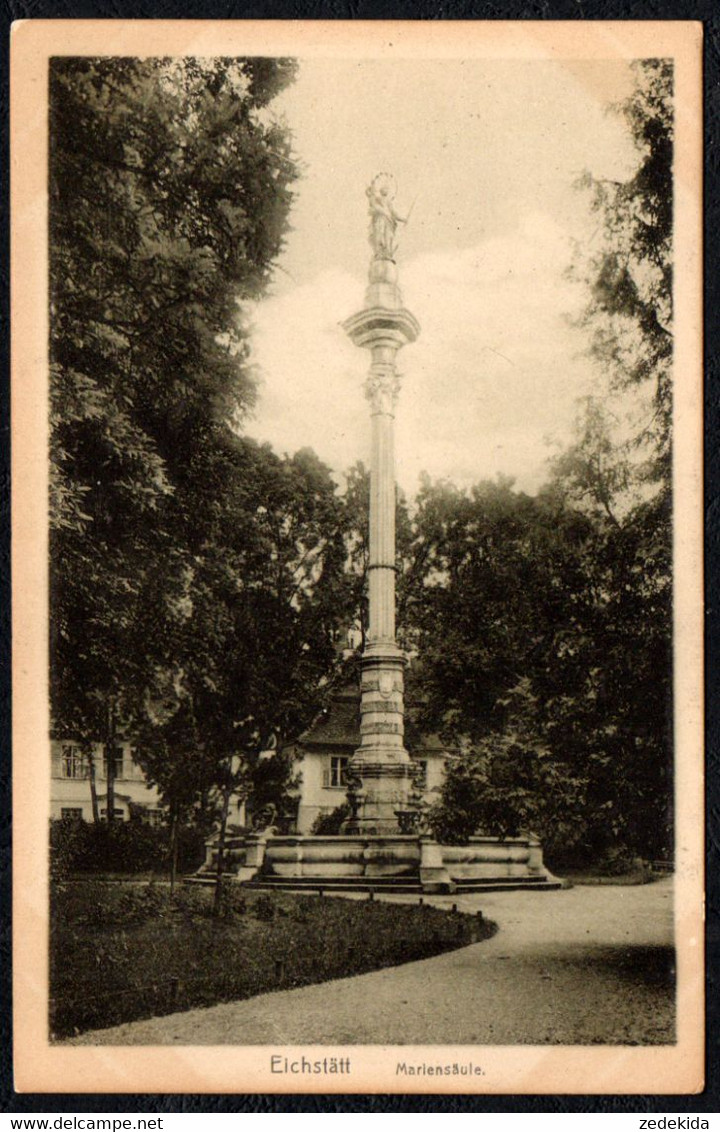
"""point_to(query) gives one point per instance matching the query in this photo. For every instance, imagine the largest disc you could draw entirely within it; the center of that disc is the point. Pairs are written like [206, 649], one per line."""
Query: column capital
[378, 326]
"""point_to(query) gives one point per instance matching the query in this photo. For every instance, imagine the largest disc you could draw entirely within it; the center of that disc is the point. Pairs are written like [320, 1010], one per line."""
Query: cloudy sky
[486, 153]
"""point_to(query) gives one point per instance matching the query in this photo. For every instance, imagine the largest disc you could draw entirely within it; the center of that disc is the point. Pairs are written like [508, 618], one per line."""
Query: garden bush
[265, 907]
[325, 825]
[232, 900]
[122, 847]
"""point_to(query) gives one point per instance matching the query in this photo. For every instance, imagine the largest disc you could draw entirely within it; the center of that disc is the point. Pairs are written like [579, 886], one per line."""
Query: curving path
[581, 966]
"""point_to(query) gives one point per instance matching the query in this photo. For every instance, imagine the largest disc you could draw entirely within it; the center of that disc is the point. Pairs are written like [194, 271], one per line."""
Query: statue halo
[384, 181]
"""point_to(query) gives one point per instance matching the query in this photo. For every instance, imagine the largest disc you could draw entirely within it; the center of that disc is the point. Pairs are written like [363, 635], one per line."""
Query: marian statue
[383, 217]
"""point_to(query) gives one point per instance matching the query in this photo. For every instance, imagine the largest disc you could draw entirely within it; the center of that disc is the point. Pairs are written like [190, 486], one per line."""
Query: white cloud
[494, 372]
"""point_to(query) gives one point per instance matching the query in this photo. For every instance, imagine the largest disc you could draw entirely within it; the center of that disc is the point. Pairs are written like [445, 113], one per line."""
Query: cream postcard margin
[43, 1067]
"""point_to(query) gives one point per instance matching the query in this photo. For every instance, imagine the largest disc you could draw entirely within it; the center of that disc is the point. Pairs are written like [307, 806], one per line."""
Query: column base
[386, 781]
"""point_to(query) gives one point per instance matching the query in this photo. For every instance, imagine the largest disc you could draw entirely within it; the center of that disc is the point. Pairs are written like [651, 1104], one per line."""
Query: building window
[73, 763]
[71, 813]
[132, 768]
[154, 817]
[117, 760]
[118, 812]
[334, 775]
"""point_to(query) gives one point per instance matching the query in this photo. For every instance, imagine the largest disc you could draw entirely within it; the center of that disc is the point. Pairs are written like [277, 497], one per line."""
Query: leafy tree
[542, 637]
[168, 201]
[629, 315]
[595, 471]
[483, 601]
[510, 782]
[556, 611]
[630, 308]
[260, 638]
[499, 571]
[257, 645]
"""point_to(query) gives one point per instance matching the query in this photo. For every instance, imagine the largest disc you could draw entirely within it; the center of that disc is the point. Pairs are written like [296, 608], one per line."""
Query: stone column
[381, 761]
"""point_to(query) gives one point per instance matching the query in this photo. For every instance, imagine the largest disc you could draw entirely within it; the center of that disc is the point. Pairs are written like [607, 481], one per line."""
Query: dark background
[706, 11]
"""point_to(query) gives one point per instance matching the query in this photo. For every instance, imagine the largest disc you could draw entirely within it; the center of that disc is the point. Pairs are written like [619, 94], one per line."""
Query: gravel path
[582, 966]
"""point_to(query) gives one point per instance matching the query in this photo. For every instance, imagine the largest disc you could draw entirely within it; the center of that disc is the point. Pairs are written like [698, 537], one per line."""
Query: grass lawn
[122, 952]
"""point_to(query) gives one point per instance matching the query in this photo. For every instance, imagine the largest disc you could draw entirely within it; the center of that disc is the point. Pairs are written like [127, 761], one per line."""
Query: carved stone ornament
[386, 683]
[411, 820]
[264, 818]
[382, 387]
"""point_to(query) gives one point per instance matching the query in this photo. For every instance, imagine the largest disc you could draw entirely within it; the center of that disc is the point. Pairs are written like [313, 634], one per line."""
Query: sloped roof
[338, 726]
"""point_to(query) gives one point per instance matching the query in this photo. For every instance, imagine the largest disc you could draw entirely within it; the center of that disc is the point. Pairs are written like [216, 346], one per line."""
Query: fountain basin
[411, 862]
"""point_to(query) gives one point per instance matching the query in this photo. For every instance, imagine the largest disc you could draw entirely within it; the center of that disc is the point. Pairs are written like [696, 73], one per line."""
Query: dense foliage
[630, 276]
[125, 847]
[326, 825]
[193, 572]
[546, 622]
[544, 658]
[198, 581]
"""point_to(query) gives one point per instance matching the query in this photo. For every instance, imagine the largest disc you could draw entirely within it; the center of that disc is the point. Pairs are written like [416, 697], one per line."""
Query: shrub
[122, 847]
[325, 825]
[232, 901]
[487, 791]
[138, 903]
[618, 861]
[264, 907]
[193, 900]
[69, 842]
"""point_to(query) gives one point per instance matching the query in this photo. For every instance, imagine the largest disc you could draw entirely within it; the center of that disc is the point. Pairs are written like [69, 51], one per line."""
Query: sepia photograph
[357, 422]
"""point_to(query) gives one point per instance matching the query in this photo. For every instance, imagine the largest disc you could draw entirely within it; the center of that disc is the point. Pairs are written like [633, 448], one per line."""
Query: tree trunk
[93, 788]
[110, 762]
[173, 845]
[221, 852]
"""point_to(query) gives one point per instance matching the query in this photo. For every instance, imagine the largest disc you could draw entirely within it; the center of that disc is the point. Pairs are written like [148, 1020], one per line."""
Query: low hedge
[120, 847]
[121, 952]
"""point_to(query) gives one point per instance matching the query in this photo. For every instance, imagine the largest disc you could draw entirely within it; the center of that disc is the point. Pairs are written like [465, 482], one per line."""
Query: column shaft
[381, 761]
[382, 530]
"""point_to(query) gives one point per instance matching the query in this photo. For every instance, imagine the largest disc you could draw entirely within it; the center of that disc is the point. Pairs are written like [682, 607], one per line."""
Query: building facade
[325, 749]
[71, 794]
[323, 753]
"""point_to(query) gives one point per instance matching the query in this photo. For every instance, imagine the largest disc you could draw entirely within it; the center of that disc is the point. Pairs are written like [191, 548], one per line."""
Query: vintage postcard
[357, 557]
